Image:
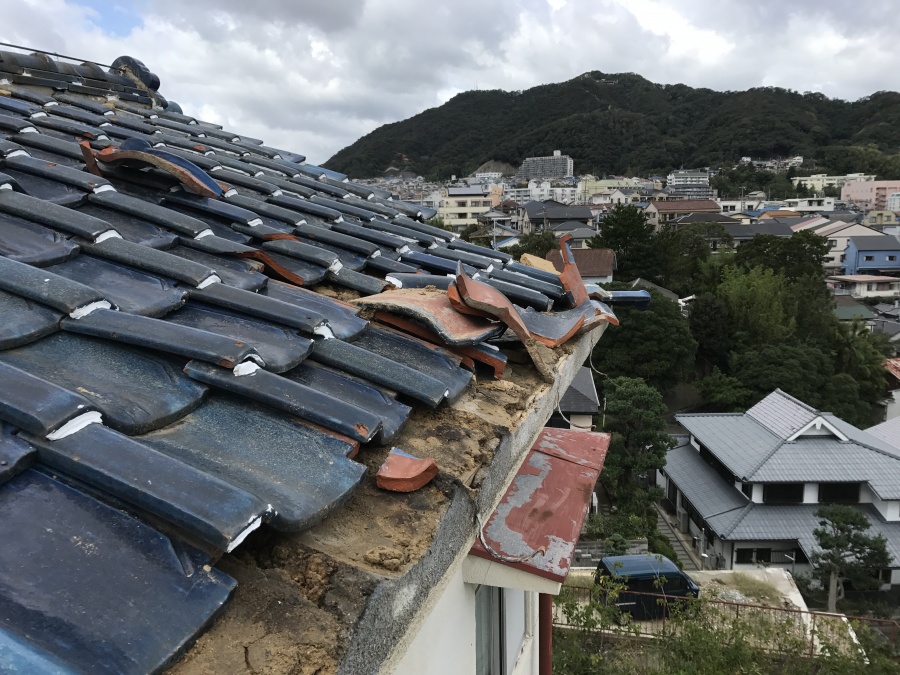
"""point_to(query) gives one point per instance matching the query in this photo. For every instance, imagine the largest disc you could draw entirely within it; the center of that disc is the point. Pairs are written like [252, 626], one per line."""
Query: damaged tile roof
[199, 333]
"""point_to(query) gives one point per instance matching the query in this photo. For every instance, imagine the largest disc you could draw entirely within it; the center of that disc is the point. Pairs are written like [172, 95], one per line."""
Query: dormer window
[839, 493]
[783, 493]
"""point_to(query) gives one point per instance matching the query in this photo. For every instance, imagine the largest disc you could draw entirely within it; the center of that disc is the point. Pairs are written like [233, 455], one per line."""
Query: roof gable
[782, 414]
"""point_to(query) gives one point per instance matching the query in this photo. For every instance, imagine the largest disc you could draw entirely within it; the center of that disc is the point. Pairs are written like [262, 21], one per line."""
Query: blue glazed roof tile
[178, 350]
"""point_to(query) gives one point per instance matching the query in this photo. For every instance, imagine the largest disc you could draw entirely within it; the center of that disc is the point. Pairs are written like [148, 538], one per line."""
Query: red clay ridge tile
[402, 472]
[570, 276]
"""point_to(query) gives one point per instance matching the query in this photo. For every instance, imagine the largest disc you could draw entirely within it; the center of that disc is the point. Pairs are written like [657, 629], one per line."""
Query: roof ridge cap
[766, 458]
[747, 509]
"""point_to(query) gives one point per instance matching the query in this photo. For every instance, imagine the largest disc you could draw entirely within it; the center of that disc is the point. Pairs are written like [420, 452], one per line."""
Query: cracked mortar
[300, 596]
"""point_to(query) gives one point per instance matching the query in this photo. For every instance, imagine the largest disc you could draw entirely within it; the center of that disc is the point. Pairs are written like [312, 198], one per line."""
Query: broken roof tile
[433, 309]
[402, 472]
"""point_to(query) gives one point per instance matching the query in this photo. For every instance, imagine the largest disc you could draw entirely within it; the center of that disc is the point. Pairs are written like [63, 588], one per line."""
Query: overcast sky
[314, 77]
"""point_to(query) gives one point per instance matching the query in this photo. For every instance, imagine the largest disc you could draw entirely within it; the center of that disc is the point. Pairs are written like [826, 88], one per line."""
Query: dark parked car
[650, 581]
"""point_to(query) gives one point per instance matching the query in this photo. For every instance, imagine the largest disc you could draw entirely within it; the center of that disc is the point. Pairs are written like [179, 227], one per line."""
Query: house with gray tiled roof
[746, 486]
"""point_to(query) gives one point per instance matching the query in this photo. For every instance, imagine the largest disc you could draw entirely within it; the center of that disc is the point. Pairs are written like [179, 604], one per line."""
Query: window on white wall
[489, 631]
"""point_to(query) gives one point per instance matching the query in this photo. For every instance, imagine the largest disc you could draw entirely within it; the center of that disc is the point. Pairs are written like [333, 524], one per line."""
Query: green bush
[657, 542]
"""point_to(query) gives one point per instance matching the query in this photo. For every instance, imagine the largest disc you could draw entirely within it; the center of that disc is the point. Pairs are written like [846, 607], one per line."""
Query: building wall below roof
[399, 608]
[446, 642]
[889, 509]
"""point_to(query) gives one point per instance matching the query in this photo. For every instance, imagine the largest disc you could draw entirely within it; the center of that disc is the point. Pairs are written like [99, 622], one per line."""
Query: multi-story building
[892, 203]
[660, 212]
[869, 195]
[539, 216]
[878, 254]
[819, 181]
[461, 206]
[690, 184]
[488, 177]
[838, 235]
[542, 191]
[556, 165]
[810, 204]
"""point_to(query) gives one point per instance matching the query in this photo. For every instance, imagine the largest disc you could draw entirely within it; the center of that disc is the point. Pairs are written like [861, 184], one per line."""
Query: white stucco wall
[892, 409]
[810, 493]
[889, 509]
[445, 643]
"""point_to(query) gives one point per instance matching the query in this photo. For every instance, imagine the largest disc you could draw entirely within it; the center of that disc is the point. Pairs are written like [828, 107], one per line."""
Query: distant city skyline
[315, 78]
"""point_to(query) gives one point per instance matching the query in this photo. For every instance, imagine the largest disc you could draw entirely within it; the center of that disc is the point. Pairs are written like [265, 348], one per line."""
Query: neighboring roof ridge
[773, 411]
[737, 522]
[726, 414]
[763, 461]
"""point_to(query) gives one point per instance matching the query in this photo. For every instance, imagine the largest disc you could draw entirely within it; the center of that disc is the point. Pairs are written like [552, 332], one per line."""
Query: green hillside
[636, 127]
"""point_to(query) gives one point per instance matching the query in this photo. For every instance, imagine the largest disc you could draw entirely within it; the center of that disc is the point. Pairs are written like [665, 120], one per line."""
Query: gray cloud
[315, 77]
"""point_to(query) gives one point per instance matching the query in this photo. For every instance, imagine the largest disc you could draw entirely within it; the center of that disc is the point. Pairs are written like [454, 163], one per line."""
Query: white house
[810, 204]
[747, 485]
[864, 285]
[838, 235]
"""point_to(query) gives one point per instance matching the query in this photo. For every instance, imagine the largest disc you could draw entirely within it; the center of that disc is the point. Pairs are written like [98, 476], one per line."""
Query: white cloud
[314, 78]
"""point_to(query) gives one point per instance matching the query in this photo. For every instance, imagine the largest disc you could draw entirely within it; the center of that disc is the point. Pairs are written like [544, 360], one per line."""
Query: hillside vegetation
[634, 127]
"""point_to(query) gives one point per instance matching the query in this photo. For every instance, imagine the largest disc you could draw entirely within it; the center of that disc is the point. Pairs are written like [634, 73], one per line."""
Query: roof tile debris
[199, 334]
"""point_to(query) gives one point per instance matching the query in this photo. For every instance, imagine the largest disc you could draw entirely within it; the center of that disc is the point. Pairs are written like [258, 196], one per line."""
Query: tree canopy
[654, 344]
[626, 231]
[635, 413]
[536, 243]
[640, 128]
[767, 320]
[848, 551]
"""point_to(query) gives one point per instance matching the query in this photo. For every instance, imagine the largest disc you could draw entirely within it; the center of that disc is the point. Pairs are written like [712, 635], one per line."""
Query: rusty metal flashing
[396, 608]
[537, 524]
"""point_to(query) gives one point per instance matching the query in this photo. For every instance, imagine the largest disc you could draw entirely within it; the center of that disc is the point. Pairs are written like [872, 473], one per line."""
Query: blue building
[874, 254]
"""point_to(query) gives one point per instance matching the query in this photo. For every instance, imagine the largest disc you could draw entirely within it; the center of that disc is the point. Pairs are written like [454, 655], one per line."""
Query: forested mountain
[634, 126]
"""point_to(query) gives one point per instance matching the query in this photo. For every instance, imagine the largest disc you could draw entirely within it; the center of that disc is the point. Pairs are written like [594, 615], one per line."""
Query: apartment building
[556, 165]
[869, 195]
[461, 206]
[819, 181]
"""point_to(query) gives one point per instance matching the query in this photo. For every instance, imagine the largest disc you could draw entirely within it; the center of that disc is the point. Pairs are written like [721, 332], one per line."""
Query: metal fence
[775, 629]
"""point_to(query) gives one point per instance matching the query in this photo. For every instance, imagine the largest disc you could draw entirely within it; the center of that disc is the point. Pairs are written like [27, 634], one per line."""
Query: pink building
[868, 195]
